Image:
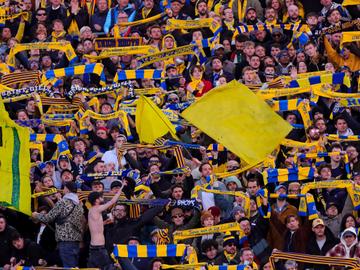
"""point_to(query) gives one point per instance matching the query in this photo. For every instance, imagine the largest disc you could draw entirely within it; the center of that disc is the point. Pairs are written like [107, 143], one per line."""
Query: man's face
[253, 188]
[175, 7]
[102, 5]
[149, 4]
[332, 211]
[216, 65]
[100, 167]
[352, 153]
[119, 211]
[260, 51]
[88, 46]
[230, 248]
[2, 224]
[293, 12]
[247, 256]
[341, 125]
[291, 119]
[275, 51]
[314, 134]
[270, 14]
[67, 177]
[326, 3]
[119, 142]
[319, 230]
[178, 219]
[206, 170]
[335, 17]
[255, 62]
[55, 3]
[249, 50]
[245, 226]
[251, 15]
[30, 107]
[98, 188]
[325, 174]
[177, 193]
[228, 15]
[335, 38]
[18, 243]
[312, 20]
[293, 224]
[202, 8]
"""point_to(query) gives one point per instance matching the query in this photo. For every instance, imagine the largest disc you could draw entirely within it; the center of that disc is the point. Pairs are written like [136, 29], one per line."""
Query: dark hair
[287, 220]
[15, 236]
[339, 117]
[322, 166]
[209, 243]
[335, 145]
[241, 38]
[64, 171]
[176, 186]
[343, 221]
[203, 164]
[156, 260]
[93, 196]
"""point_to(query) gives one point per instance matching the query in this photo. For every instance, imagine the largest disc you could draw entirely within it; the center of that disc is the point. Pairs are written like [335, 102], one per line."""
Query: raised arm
[107, 205]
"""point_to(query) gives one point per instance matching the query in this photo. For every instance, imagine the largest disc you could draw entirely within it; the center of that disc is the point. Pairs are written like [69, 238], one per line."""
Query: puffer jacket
[68, 215]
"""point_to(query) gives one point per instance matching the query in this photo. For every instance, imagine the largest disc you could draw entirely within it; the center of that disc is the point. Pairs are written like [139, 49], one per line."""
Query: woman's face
[275, 4]
[169, 43]
[289, 2]
[300, 57]
[197, 73]
[41, 28]
[302, 67]
[350, 222]
[227, 45]
[48, 182]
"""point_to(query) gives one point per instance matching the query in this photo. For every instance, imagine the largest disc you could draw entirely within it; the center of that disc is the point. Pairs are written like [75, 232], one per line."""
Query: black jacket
[313, 248]
[120, 232]
[30, 253]
[5, 245]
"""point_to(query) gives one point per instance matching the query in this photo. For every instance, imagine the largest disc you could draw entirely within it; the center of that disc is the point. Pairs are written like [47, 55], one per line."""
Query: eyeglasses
[231, 245]
[179, 175]
[177, 216]
[41, 14]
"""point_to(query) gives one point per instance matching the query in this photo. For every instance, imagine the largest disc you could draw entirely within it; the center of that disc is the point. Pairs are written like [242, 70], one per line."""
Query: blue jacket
[111, 17]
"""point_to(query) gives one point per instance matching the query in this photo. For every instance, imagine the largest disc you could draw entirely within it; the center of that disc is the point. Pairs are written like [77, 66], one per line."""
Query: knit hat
[228, 239]
[236, 209]
[233, 179]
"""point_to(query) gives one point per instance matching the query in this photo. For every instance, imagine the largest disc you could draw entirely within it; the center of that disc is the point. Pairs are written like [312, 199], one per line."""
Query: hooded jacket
[344, 251]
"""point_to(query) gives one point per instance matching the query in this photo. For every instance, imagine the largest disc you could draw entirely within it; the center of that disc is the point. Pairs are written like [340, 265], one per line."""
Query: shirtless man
[98, 256]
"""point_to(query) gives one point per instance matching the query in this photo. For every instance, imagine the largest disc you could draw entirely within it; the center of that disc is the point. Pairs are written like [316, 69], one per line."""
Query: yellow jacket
[353, 62]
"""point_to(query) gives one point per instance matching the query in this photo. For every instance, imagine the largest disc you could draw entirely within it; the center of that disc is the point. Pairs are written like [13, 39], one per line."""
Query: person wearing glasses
[178, 222]
[230, 254]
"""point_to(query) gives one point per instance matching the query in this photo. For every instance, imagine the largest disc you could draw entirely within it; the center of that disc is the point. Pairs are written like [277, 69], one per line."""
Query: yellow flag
[15, 164]
[353, 36]
[235, 117]
[151, 122]
[350, 3]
